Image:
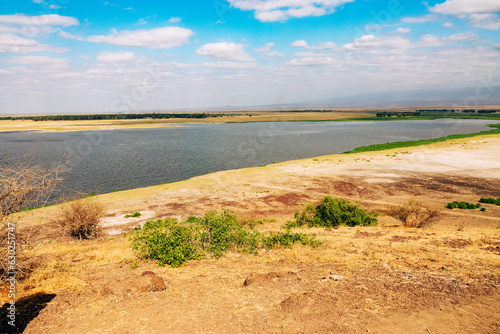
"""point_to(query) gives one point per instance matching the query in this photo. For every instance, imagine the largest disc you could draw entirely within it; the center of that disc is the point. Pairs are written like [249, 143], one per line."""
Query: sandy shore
[237, 117]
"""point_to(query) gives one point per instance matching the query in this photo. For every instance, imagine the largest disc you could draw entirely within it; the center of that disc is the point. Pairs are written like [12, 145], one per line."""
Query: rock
[336, 277]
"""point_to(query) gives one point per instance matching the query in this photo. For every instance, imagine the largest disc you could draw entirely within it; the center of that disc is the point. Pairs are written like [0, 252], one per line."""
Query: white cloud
[118, 57]
[225, 51]
[266, 50]
[37, 60]
[40, 20]
[403, 30]
[232, 65]
[174, 20]
[448, 25]
[160, 38]
[12, 43]
[371, 43]
[431, 41]
[313, 61]
[485, 21]
[457, 7]
[462, 37]
[282, 10]
[420, 19]
[323, 46]
[300, 44]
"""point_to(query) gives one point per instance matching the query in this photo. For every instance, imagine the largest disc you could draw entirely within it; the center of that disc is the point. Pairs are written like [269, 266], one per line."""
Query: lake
[103, 161]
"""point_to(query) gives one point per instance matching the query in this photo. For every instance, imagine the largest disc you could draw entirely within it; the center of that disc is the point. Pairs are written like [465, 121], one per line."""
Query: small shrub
[81, 219]
[288, 238]
[133, 215]
[332, 212]
[463, 205]
[173, 243]
[482, 209]
[490, 200]
[167, 241]
[414, 214]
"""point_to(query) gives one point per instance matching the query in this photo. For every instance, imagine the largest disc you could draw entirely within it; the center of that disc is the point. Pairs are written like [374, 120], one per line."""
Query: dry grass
[415, 214]
[66, 266]
[82, 218]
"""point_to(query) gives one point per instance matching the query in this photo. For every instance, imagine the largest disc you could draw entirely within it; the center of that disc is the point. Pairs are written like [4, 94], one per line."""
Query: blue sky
[68, 56]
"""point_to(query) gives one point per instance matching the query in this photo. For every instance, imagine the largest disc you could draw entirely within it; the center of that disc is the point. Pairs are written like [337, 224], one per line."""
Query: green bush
[133, 215]
[332, 212]
[171, 242]
[167, 241]
[490, 200]
[463, 205]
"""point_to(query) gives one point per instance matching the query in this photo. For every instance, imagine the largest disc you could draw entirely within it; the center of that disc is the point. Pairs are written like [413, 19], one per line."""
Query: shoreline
[260, 117]
[288, 183]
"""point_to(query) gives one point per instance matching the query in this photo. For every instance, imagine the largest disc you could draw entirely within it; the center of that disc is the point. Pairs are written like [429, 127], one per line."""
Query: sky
[74, 56]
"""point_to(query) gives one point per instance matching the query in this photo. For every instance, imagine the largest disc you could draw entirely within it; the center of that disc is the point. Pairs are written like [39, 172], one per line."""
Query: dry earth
[442, 279]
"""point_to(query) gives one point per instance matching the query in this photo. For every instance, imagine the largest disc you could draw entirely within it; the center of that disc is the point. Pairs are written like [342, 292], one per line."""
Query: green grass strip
[410, 143]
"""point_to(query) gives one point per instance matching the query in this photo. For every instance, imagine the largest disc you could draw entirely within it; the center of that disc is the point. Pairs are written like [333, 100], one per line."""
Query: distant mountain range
[464, 97]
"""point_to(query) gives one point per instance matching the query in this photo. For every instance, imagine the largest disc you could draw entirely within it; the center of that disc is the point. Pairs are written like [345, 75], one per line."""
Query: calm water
[103, 161]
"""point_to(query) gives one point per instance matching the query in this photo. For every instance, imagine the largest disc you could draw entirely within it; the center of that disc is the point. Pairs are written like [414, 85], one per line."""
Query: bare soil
[442, 279]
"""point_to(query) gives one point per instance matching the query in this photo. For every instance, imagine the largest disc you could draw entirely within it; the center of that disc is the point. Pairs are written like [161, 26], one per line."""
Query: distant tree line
[480, 111]
[113, 116]
[398, 114]
[313, 110]
[488, 111]
[436, 110]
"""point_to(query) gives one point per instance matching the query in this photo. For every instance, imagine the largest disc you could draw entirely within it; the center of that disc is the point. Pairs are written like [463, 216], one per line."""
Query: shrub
[490, 200]
[81, 219]
[221, 232]
[332, 212]
[133, 215]
[414, 214]
[167, 241]
[173, 243]
[288, 238]
[463, 205]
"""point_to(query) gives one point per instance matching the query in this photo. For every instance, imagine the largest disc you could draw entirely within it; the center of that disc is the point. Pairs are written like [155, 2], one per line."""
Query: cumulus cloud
[420, 19]
[118, 57]
[403, 30]
[300, 44]
[232, 65]
[282, 10]
[457, 7]
[266, 51]
[225, 51]
[11, 43]
[431, 41]
[37, 60]
[485, 21]
[370, 43]
[40, 20]
[160, 38]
